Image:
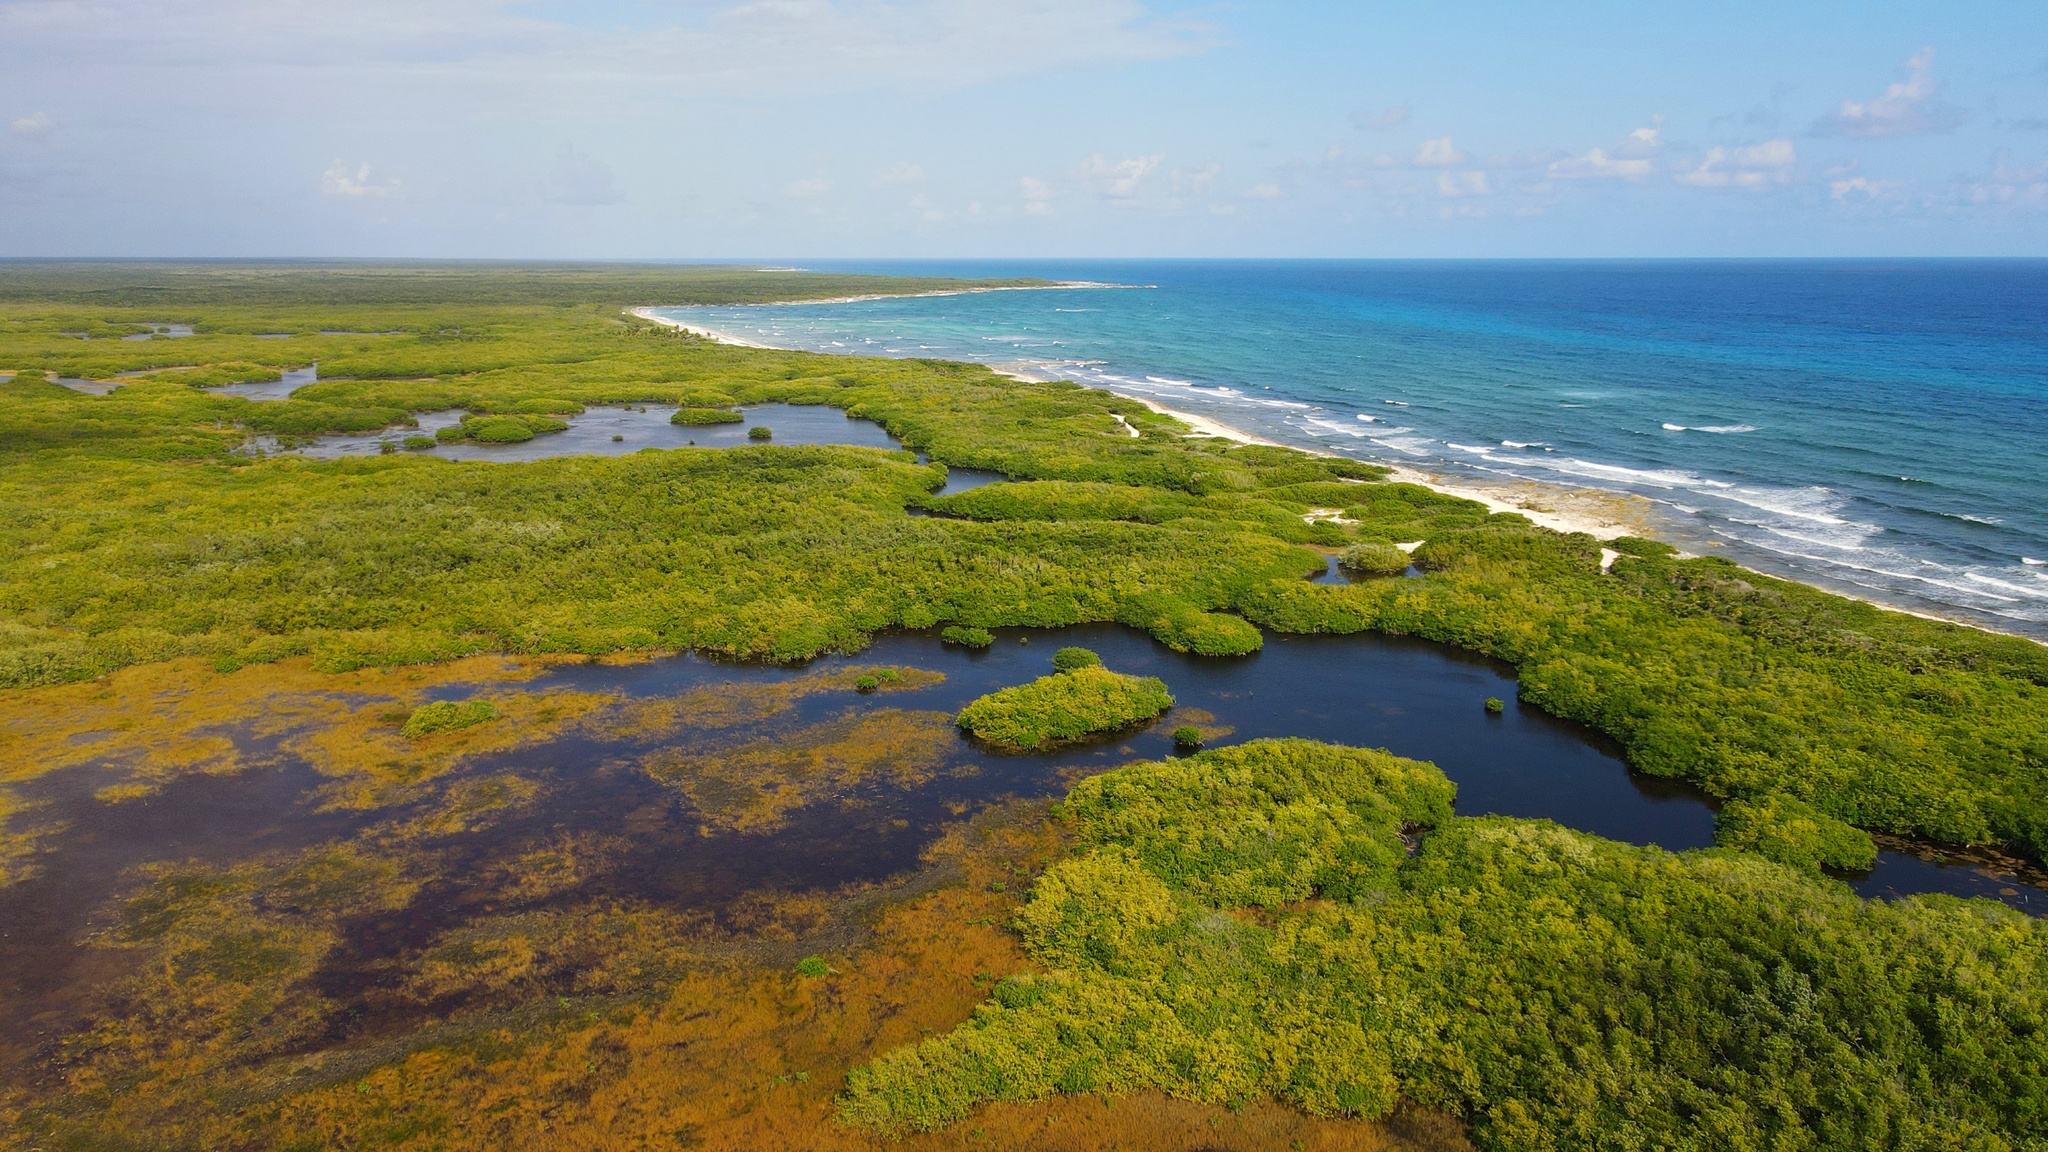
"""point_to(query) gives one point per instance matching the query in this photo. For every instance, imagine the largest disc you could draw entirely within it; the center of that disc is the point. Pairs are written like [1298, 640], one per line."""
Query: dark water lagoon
[611, 431]
[702, 784]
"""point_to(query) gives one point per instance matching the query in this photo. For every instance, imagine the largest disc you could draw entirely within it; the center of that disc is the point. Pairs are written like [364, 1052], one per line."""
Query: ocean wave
[1475, 449]
[2029, 560]
[1368, 419]
[1333, 428]
[1654, 477]
[1717, 429]
[1522, 444]
[1170, 380]
[1395, 403]
[2029, 593]
[1408, 445]
[1817, 505]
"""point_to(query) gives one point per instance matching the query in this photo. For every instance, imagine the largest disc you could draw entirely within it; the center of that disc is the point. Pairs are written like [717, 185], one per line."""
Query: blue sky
[905, 128]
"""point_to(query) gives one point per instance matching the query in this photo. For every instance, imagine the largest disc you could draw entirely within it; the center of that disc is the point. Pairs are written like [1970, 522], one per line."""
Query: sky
[701, 129]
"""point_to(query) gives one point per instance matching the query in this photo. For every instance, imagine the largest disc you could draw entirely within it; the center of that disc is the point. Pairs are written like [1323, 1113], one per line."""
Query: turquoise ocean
[1875, 427]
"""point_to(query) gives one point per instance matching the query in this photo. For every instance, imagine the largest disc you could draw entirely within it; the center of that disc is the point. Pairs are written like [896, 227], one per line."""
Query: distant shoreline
[1601, 514]
[1556, 507]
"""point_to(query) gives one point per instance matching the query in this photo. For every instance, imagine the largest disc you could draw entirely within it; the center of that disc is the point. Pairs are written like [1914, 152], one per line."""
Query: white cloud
[1037, 196]
[1390, 118]
[339, 181]
[1196, 181]
[579, 179]
[1451, 185]
[1263, 192]
[900, 173]
[1859, 189]
[1630, 159]
[1438, 153]
[2010, 184]
[1119, 180]
[1907, 108]
[1752, 166]
[808, 187]
[33, 124]
[718, 47]
[1596, 164]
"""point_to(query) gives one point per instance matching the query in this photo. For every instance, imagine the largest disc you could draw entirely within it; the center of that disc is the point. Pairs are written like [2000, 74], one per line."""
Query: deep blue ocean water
[1877, 427]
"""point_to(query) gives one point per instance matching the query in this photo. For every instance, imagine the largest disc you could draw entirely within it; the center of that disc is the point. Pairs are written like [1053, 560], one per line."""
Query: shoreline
[1600, 514]
[643, 312]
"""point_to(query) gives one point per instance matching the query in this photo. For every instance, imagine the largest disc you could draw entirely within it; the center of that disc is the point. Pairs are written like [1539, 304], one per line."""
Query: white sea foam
[1475, 449]
[1817, 505]
[1717, 429]
[1395, 403]
[2029, 593]
[1521, 444]
[1332, 428]
[1170, 380]
[2029, 560]
[1368, 419]
[1408, 445]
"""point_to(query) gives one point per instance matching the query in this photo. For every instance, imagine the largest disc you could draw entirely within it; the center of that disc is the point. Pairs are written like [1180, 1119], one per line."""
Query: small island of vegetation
[1079, 700]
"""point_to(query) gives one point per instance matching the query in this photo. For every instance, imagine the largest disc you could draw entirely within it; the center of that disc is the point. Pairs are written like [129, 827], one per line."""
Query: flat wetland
[737, 799]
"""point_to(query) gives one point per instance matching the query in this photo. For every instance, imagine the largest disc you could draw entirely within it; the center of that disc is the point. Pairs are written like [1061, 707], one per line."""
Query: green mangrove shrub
[1187, 736]
[1793, 832]
[501, 428]
[967, 637]
[1063, 708]
[695, 416]
[1373, 558]
[1068, 659]
[1248, 921]
[447, 716]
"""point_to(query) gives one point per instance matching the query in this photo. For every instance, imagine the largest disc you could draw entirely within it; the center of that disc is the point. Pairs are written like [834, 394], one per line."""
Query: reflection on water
[704, 784]
[277, 389]
[619, 430]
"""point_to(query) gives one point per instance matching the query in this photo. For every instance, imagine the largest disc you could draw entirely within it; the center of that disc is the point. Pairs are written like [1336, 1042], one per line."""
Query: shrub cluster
[1793, 832]
[1063, 708]
[1374, 558]
[694, 416]
[967, 637]
[504, 428]
[447, 716]
[1249, 921]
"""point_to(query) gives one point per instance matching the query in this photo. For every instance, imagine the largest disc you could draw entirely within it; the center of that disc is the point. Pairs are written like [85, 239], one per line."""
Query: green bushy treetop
[1087, 700]
[1249, 921]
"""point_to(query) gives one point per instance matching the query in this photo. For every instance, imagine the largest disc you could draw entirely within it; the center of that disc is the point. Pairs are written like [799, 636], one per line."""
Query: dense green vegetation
[706, 416]
[133, 528]
[1068, 659]
[1080, 700]
[1374, 558]
[447, 716]
[1249, 920]
[1793, 832]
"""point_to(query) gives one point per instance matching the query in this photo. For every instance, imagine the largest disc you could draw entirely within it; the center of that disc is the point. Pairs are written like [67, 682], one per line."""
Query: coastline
[644, 311]
[1602, 515]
